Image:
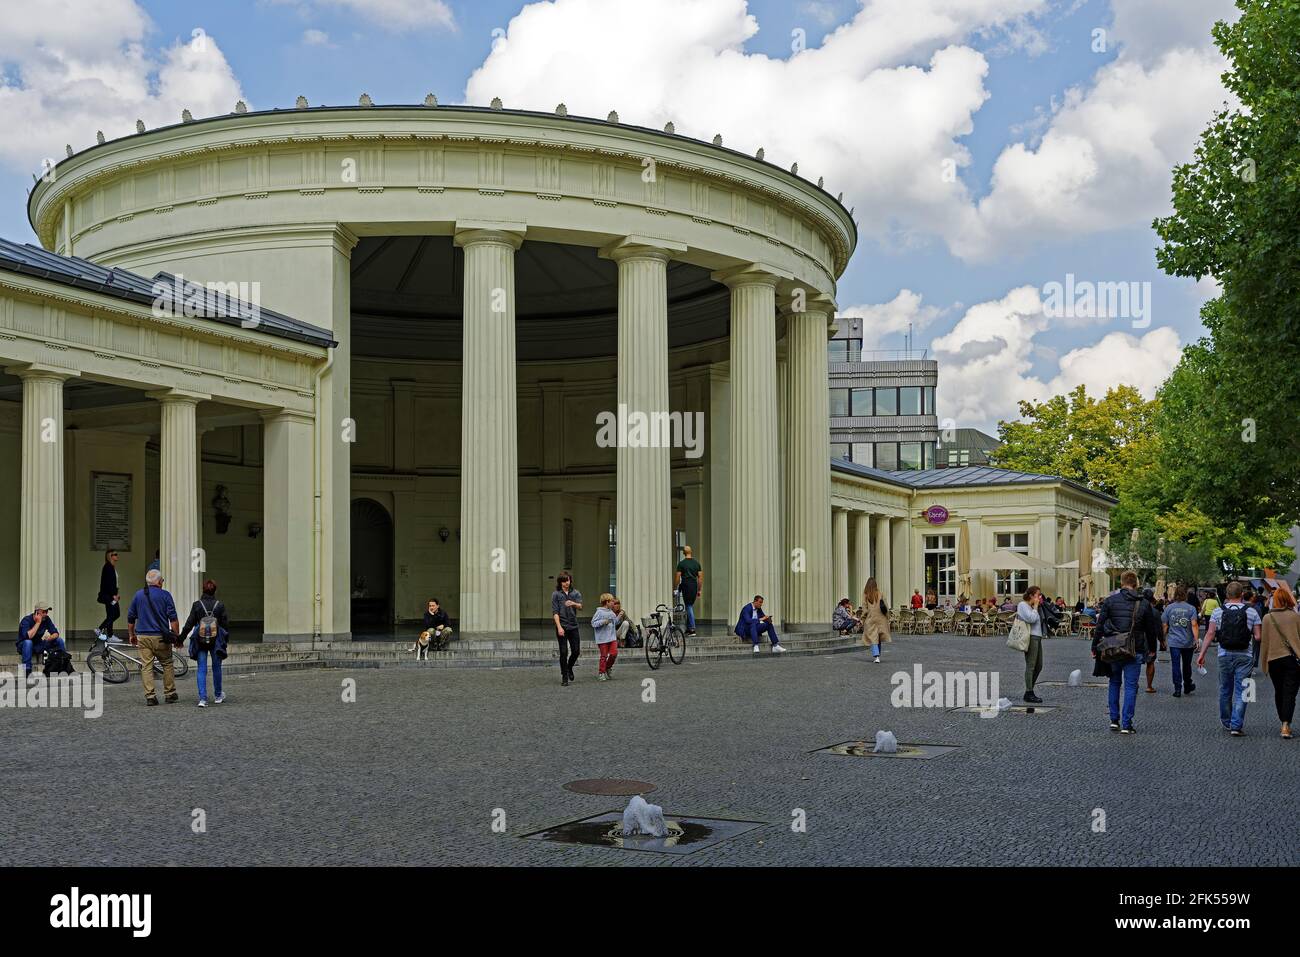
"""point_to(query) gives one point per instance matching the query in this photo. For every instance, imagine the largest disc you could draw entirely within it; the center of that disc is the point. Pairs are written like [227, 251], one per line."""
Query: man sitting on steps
[753, 623]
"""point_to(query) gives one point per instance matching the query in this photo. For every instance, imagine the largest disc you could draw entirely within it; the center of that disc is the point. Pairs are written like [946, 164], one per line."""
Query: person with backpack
[1125, 638]
[37, 632]
[208, 628]
[151, 624]
[1237, 626]
[1179, 623]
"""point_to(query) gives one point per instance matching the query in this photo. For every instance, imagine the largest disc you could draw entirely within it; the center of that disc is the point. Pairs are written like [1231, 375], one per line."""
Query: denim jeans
[46, 644]
[203, 674]
[690, 616]
[1129, 675]
[1234, 669]
[1181, 659]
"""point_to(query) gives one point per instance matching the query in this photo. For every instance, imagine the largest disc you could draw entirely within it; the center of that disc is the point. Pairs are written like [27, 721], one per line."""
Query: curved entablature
[388, 170]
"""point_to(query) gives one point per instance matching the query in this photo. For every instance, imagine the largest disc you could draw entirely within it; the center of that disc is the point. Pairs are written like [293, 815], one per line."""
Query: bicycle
[664, 636]
[114, 663]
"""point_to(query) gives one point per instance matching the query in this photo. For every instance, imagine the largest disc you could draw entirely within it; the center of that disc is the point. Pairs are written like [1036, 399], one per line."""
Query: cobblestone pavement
[288, 773]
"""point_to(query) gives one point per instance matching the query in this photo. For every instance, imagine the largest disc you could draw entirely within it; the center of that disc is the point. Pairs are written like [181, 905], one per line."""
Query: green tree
[1229, 410]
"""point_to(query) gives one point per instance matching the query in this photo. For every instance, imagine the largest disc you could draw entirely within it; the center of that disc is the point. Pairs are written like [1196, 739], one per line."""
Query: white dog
[643, 818]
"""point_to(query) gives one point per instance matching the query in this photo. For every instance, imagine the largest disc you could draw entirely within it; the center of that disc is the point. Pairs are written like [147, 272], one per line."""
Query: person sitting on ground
[843, 620]
[437, 624]
[37, 633]
[603, 624]
[753, 624]
[622, 623]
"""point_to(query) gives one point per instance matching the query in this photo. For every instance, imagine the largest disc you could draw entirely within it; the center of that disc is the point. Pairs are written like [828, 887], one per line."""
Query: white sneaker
[202, 703]
[220, 698]
[778, 650]
[756, 649]
[876, 659]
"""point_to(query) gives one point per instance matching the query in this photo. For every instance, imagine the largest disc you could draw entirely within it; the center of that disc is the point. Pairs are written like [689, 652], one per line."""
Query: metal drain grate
[610, 787]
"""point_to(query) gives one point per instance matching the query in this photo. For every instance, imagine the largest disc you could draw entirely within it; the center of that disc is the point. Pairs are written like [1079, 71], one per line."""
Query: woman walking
[108, 596]
[875, 619]
[1279, 647]
[1027, 611]
[1182, 637]
[211, 631]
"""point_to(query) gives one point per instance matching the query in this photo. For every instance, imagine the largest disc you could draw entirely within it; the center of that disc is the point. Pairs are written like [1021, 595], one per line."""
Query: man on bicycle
[151, 620]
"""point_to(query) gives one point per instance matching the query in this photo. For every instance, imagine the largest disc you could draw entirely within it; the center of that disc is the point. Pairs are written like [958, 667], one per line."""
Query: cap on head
[153, 577]
[43, 606]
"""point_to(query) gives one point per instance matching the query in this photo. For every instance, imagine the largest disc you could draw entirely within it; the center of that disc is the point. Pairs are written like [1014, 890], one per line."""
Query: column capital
[751, 274]
[811, 301]
[38, 370]
[475, 232]
[286, 415]
[641, 247]
[179, 396]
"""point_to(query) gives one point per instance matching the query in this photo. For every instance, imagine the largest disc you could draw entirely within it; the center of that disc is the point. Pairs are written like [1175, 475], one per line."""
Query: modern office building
[882, 410]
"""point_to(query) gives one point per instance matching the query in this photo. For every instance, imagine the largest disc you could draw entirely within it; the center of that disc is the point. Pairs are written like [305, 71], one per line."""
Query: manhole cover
[610, 787]
[686, 835]
[909, 749]
[1017, 708]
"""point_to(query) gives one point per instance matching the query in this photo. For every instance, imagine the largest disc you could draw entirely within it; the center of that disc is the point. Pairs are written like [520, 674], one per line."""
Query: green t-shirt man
[689, 575]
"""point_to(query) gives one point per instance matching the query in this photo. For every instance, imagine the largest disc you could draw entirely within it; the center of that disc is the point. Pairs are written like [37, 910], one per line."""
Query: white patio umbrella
[1004, 560]
[965, 585]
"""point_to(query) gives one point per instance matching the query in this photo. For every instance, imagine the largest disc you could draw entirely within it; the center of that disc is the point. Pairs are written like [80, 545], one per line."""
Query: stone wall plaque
[110, 511]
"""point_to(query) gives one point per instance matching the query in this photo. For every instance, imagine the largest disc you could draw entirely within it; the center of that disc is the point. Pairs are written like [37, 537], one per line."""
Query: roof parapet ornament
[717, 139]
[241, 107]
[613, 117]
[496, 103]
[99, 136]
[561, 110]
[365, 100]
[187, 116]
[139, 126]
[300, 103]
[430, 100]
[794, 168]
[821, 182]
[68, 147]
[669, 128]
[840, 199]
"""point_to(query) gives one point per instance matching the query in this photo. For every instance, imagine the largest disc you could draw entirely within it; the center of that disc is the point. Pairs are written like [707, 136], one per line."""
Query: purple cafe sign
[936, 515]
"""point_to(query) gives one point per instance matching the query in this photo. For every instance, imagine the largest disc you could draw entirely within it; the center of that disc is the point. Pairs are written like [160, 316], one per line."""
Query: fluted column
[643, 503]
[756, 564]
[840, 551]
[861, 555]
[42, 574]
[287, 533]
[884, 563]
[489, 442]
[180, 558]
[807, 467]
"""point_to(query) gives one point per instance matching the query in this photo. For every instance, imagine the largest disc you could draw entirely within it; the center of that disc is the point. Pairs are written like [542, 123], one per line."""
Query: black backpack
[57, 663]
[1234, 628]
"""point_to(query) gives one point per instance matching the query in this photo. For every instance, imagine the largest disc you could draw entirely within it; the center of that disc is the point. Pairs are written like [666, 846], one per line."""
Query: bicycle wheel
[676, 645]
[654, 648]
[180, 665]
[112, 668]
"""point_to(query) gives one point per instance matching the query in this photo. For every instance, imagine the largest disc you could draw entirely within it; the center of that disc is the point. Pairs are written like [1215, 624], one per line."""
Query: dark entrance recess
[372, 567]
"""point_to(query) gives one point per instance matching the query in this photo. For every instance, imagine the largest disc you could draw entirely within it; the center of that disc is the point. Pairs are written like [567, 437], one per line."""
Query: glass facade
[839, 401]
[886, 402]
[860, 403]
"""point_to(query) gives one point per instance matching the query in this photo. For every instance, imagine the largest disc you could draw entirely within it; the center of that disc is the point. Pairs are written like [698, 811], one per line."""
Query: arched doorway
[372, 567]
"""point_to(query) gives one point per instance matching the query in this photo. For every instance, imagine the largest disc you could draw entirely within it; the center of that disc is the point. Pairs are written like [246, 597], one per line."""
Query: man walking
[1125, 612]
[151, 622]
[37, 632]
[1237, 625]
[566, 602]
[753, 624]
[689, 580]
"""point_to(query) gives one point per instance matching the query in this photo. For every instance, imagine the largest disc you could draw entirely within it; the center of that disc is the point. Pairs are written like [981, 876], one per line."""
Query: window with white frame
[1010, 582]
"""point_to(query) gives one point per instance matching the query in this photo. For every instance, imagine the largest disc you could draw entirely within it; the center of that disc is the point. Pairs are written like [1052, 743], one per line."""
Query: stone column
[643, 500]
[861, 556]
[884, 564]
[604, 515]
[756, 565]
[489, 441]
[42, 547]
[840, 550]
[901, 563]
[287, 531]
[807, 467]
[180, 557]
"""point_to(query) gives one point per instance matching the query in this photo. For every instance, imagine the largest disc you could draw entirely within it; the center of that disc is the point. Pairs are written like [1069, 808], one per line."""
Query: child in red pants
[602, 623]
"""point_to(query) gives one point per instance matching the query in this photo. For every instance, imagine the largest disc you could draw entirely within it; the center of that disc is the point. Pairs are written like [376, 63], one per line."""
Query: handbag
[1019, 636]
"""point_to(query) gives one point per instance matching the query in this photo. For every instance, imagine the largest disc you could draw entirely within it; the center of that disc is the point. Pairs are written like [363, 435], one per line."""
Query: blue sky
[1063, 152]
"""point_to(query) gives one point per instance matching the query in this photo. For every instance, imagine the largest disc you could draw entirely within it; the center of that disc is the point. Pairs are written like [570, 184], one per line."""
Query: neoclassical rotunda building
[343, 360]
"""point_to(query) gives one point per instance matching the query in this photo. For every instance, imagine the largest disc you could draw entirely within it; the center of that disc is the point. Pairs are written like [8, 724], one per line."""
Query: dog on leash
[433, 638]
